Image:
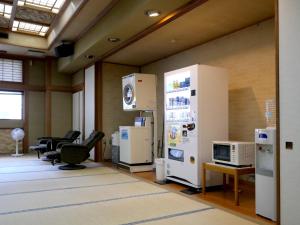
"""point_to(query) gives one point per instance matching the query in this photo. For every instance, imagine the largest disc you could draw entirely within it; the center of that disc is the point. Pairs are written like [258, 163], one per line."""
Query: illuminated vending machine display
[196, 113]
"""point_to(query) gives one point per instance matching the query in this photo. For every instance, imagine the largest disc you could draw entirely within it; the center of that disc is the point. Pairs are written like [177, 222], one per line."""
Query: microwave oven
[233, 153]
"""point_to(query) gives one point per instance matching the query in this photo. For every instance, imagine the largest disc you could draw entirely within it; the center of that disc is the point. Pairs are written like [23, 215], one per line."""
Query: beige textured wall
[36, 117]
[249, 56]
[78, 77]
[7, 144]
[113, 115]
[36, 74]
[61, 103]
[61, 114]
[36, 125]
[60, 78]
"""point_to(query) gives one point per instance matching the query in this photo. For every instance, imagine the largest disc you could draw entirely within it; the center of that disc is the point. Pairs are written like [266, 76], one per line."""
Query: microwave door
[222, 152]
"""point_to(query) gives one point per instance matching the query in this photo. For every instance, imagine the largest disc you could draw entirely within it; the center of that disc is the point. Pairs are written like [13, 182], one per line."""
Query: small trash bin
[115, 148]
[160, 169]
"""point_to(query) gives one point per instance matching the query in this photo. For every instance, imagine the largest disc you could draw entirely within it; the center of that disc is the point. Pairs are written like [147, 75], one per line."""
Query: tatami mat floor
[33, 192]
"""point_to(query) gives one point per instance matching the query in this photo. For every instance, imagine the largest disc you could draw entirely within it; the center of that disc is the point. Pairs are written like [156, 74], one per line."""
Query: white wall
[289, 80]
[89, 101]
[78, 112]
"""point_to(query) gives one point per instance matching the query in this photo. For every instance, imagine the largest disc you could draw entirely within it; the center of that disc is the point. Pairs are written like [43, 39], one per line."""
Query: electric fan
[17, 134]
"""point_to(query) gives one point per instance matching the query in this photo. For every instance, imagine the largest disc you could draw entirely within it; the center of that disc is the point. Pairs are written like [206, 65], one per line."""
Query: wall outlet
[289, 145]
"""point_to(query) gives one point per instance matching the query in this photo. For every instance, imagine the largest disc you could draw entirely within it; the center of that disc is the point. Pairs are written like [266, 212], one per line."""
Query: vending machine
[196, 114]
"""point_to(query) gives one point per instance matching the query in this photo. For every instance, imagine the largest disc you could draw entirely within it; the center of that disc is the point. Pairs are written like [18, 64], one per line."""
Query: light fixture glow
[152, 13]
[113, 39]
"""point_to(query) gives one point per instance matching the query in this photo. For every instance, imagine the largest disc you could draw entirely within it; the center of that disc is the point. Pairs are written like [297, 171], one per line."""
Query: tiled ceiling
[29, 16]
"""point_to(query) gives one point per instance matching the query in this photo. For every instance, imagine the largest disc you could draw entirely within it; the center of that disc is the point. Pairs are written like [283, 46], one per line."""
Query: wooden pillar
[48, 72]
[278, 209]
[98, 108]
[26, 104]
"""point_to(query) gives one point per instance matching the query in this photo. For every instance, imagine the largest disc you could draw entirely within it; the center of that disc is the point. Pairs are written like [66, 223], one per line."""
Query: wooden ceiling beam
[7, 2]
[13, 14]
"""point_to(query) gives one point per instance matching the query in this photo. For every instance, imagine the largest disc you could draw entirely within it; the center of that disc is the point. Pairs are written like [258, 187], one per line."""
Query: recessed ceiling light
[152, 13]
[89, 56]
[113, 39]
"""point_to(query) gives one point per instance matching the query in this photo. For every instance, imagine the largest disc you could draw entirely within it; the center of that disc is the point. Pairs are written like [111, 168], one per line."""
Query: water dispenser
[265, 172]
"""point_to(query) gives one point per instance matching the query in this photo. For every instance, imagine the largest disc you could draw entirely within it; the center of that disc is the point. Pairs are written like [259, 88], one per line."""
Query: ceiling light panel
[5, 10]
[30, 28]
[49, 5]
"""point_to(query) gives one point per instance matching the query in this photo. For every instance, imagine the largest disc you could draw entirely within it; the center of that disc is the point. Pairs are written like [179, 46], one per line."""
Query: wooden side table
[224, 169]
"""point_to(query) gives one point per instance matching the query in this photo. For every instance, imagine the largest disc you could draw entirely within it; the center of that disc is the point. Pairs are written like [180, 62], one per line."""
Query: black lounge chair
[74, 154]
[47, 144]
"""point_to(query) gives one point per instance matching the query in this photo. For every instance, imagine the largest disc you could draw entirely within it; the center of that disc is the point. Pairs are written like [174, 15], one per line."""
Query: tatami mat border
[83, 203]
[168, 216]
[55, 178]
[71, 188]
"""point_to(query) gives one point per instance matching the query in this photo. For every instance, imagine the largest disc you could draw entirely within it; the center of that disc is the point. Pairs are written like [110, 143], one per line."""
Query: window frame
[22, 106]
[11, 86]
[13, 82]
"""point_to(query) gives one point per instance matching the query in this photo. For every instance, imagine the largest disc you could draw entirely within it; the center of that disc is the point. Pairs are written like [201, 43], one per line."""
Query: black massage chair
[74, 154]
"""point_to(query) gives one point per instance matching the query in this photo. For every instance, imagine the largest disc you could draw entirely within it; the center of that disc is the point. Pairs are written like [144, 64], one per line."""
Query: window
[11, 70]
[30, 28]
[13, 105]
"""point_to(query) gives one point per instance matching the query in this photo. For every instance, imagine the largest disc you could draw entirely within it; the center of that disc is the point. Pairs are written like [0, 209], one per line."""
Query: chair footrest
[38, 147]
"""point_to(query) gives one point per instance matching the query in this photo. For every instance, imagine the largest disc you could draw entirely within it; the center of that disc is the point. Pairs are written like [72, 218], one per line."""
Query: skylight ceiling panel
[5, 10]
[30, 28]
[51, 5]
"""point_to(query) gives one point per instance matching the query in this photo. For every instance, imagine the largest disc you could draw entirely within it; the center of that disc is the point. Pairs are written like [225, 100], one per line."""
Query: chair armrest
[56, 141]
[40, 138]
[61, 140]
[48, 138]
[43, 141]
[60, 144]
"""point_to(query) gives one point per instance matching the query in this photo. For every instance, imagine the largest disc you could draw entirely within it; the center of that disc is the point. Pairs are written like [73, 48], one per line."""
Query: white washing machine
[139, 92]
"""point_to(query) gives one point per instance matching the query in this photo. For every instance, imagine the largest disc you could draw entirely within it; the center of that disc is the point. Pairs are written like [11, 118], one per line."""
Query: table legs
[203, 179]
[224, 181]
[236, 189]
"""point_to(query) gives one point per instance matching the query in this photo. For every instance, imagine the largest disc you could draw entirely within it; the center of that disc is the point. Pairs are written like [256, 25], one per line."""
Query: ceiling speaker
[65, 49]
[3, 35]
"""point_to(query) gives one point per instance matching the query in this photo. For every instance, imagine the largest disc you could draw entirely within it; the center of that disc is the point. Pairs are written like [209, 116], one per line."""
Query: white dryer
[139, 92]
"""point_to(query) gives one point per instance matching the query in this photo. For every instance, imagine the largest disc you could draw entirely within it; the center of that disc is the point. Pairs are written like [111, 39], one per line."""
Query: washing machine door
[128, 94]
